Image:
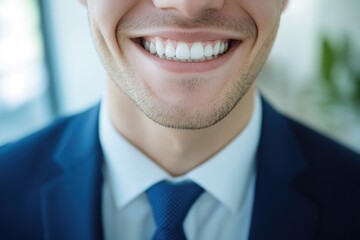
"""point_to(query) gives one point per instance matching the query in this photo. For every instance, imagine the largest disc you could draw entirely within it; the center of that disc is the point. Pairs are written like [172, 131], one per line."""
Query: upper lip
[188, 36]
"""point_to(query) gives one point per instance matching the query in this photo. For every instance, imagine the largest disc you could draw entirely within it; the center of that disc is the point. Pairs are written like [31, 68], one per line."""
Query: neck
[176, 151]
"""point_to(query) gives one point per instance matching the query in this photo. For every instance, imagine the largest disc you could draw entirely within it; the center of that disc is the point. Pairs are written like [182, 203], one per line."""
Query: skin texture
[181, 118]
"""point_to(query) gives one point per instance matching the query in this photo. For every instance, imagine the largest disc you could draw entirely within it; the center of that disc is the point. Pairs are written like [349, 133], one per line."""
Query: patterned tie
[170, 204]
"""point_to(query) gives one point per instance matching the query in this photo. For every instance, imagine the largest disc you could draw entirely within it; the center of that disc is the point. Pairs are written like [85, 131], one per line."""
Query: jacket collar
[71, 201]
[280, 210]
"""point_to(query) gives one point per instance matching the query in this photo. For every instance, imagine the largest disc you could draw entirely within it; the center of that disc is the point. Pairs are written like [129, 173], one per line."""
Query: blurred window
[24, 104]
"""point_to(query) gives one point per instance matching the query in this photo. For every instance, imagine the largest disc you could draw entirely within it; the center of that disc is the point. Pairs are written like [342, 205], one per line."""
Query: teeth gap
[228, 44]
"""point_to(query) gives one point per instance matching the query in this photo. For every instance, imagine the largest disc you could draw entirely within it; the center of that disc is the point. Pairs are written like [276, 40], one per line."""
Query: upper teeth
[181, 51]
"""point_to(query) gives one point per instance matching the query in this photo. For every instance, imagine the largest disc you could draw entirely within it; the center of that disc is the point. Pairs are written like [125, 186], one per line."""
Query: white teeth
[170, 50]
[160, 49]
[226, 46]
[217, 48]
[147, 45]
[222, 48]
[197, 51]
[208, 51]
[182, 51]
[152, 48]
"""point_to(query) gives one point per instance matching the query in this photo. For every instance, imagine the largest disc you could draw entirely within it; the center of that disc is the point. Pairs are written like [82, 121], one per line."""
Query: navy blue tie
[170, 204]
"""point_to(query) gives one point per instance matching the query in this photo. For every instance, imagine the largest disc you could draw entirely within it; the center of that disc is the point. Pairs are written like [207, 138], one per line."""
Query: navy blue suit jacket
[308, 187]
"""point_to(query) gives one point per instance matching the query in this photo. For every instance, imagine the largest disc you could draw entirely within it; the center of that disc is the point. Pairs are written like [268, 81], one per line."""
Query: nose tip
[189, 8]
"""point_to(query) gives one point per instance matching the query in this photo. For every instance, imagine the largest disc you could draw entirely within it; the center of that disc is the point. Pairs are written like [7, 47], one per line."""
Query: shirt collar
[226, 176]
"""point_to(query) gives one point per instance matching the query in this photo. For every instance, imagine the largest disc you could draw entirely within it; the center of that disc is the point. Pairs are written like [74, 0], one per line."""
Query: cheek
[105, 15]
[266, 14]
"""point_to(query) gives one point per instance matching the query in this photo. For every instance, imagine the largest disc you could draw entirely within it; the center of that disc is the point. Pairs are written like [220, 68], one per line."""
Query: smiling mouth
[197, 51]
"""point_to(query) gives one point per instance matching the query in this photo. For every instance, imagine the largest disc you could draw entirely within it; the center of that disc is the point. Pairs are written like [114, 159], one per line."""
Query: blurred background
[48, 66]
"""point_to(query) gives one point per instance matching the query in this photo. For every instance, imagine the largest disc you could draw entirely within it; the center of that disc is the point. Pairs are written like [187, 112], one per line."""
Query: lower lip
[190, 67]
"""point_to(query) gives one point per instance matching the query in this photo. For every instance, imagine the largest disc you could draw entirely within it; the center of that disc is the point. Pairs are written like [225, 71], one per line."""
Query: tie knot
[171, 202]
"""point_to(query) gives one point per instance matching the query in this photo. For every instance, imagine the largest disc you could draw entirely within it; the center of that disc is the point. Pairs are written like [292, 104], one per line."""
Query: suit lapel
[280, 210]
[71, 201]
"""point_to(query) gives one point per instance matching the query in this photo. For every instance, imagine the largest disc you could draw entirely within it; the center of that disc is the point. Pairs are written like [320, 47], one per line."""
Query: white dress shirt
[223, 211]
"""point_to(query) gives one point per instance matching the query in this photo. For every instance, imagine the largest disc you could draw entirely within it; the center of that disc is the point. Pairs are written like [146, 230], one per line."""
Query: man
[184, 147]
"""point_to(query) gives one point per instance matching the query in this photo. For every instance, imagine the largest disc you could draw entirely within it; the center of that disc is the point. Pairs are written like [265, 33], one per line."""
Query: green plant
[339, 65]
